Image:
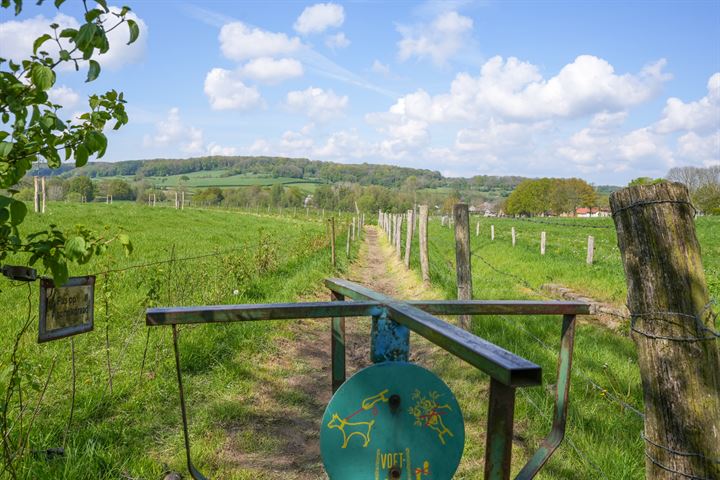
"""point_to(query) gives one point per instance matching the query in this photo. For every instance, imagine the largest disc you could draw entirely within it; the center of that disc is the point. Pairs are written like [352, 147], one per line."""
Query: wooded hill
[327, 172]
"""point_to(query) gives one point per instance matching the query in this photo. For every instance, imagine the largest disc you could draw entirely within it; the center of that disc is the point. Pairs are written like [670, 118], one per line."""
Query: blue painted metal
[392, 420]
[389, 341]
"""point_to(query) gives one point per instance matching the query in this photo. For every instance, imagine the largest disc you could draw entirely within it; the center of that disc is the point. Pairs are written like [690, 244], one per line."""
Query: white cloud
[226, 91]
[317, 103]
[215, 149]
[439, 41]
[17, 37]
[173, 132]
[337, 41]
[241, 42]
[700, 150]
[269, 70]
[515, 90]
[65, 96]
[702, 115]
[319, 17]
[607, 119]
[120, 52]
[380, 68]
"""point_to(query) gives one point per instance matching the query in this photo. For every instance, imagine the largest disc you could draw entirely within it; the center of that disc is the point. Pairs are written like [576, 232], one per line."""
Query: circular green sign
[392, 420]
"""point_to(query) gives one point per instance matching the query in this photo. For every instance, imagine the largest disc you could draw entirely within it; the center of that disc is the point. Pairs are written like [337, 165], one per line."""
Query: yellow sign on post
[66, 310]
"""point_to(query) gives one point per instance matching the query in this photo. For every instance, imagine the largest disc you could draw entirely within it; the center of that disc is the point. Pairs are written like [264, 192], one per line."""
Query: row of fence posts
[391, 224]
[543, 241]
[354, 231]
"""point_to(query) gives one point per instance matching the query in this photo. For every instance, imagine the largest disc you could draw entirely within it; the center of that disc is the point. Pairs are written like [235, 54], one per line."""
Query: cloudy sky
[604, 90]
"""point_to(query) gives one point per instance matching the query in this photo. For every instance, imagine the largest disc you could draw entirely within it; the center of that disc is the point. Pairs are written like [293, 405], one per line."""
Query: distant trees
[703, 184]
[209, 196]
[645, 181]
[83, 186]
[550, 195]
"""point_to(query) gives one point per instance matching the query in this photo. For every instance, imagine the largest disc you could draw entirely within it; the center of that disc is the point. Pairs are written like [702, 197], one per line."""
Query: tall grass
[134, 430]
[604, 420]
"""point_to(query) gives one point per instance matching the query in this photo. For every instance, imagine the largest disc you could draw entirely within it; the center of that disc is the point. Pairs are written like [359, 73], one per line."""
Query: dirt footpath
[281, 440]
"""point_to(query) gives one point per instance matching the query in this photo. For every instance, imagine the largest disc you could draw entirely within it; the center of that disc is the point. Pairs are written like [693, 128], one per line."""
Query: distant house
[585, 212]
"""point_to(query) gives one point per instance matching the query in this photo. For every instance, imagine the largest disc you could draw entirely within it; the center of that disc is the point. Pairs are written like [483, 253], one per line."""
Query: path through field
[279, 437]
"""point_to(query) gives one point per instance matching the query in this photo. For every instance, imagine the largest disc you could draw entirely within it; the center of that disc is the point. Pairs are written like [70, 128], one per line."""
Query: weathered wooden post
[492, 232]
[35, 196]
[44, 197]
[332, 240]
[352, 230]
[408, 236]
[462, 258]
[477, 229]
[398, 236]
[590, 249]
[542, 243]
[182, 205]
[423, 241]
[672, 327]
[512, 233]
[347, 243]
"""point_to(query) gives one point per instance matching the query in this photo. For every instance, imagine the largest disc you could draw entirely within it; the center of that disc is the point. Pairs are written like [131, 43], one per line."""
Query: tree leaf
[39, 41]
[93, 14]
[102, 3]
[81, 156]
[5, 148]
[59, 270]
[126, 243]
[75, 248]
[68, 33]
[42, 77]
[134, 30]
[18, 210]
[93, 71]
[85, 36]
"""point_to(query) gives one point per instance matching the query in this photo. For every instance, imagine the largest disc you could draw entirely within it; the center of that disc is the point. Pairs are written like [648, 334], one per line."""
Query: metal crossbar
[507, 370]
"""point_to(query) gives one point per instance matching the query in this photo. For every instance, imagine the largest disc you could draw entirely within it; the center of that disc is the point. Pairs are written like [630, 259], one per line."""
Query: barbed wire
[559, 224]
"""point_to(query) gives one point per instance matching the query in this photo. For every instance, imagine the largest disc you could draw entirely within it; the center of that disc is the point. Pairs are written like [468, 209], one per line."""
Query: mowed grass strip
[135, 431]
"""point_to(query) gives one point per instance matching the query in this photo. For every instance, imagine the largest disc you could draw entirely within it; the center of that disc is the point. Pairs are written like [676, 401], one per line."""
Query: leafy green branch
[31, 127]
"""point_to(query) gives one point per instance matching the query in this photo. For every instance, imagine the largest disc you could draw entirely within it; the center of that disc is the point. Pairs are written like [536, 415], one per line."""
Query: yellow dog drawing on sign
[361, 429]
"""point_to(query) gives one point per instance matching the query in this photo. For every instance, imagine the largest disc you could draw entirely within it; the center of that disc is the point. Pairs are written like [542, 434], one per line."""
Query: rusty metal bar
[272, 311]
[500, 307]
[337, 346]
[498, 445]
[502, 365]
[191, 468]
[562, 395]
[290, 311]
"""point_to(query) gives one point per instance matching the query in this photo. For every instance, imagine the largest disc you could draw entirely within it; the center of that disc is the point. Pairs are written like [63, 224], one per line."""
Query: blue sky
[607, 91]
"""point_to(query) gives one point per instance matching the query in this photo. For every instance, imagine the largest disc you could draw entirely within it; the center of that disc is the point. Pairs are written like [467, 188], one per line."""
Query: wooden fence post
[35, 196]
[477, 229]
[347, 242]
[423, 241]
[352, 230]
[590, 249]
[462, 258]
[398, 236]
[332, 240]
[44, 197]
[512, 232]
[182, 205]
[542, 243]
[673, 330]
[408, 236]
[492, 232]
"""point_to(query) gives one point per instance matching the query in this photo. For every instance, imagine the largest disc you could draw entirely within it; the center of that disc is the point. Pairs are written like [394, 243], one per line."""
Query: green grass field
[135, 429]
[603, 436]
[215, 178]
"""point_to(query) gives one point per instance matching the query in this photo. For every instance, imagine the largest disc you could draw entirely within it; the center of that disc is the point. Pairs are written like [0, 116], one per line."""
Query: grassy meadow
[221, 178]
[134, 430]
[603, 432]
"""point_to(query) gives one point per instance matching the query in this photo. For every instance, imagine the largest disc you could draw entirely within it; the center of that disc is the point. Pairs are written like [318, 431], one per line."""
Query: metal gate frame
[507, 370]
